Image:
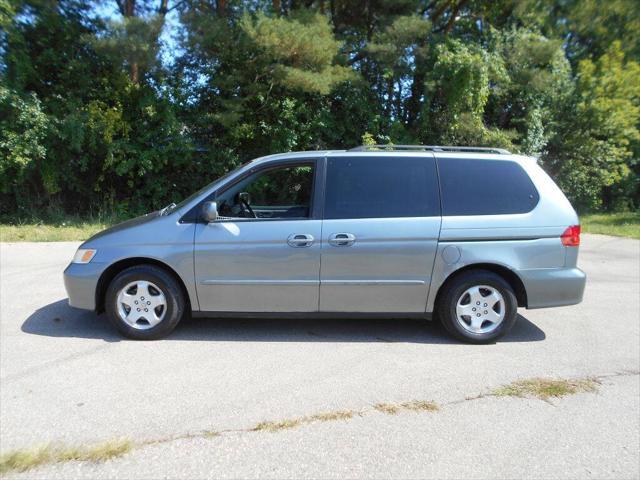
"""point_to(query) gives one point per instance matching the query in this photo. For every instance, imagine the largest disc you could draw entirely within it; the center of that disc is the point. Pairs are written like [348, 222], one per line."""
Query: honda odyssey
[466, 235]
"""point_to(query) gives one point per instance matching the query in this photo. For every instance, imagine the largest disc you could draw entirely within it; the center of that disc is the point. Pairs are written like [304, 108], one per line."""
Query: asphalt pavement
[66, 377]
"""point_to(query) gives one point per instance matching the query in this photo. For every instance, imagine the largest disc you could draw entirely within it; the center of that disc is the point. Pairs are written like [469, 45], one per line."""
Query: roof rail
[432, 148]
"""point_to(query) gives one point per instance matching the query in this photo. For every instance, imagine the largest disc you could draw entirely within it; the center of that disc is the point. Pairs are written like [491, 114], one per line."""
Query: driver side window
[280, 192]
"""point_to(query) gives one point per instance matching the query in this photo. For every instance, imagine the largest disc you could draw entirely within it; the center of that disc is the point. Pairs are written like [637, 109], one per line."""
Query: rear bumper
[553, 287]
[80, 282]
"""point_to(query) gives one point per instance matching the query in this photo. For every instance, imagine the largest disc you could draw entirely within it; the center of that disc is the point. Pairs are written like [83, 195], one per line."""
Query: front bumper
[80, 281]
[553, 287]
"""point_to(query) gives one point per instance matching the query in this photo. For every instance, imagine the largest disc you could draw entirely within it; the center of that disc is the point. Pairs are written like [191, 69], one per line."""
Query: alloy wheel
[480, 309]
[141, 304]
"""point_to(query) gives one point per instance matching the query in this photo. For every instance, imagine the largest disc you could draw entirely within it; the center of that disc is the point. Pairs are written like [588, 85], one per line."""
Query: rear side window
[381, 187]
[485, 187]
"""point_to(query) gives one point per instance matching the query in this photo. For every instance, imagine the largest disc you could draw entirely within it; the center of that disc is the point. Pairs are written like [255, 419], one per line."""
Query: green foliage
[459, 89]
[462, 75]
[597, 161]
[23, 128]
[7, 12]
[119, 150]
[534, 79]
[130, 41]
[91, 120]
[367, 139]
[297, 53]
[594, 25]
[397, 47]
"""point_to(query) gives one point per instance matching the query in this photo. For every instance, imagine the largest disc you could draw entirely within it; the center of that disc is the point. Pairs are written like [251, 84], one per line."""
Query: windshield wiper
[167, 209]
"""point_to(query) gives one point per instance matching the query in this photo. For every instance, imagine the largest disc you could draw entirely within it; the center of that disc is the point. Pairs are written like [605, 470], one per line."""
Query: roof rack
[433, 148]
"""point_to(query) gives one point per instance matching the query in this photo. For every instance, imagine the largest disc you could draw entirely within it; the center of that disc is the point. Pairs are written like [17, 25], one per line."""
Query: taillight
[571, 236]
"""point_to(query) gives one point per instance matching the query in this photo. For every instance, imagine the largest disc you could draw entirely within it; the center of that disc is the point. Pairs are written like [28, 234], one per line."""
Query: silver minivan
[466, 235]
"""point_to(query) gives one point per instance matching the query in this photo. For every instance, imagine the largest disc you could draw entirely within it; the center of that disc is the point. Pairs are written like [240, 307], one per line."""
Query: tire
[144, 302]
[471, 315]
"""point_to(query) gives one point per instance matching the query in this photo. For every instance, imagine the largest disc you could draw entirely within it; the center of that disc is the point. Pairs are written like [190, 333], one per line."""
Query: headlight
[84, 255]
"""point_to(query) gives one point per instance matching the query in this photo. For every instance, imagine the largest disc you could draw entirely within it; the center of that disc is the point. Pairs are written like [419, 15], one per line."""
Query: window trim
[194, 216]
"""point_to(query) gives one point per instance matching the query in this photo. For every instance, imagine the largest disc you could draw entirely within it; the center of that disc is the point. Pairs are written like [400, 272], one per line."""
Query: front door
[263, 254]
[379, 234]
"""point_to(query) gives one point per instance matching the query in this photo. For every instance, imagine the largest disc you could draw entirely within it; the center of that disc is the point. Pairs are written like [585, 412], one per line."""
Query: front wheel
[144, 302]
[478, 306]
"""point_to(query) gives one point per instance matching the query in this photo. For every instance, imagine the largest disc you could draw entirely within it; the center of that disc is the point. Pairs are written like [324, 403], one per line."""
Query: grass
[276, 426]
[414, 405]
[73, 230]
[21, 460]
[331, 416]
[626, 224]
[545, 388]
[388, 408]
[421, 406]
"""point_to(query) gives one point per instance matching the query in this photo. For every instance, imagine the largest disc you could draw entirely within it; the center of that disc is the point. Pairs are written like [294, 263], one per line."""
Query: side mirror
[210, 211]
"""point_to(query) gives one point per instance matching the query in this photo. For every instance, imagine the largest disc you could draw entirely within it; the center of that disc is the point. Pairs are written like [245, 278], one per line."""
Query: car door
[379, 234]
[263, 253]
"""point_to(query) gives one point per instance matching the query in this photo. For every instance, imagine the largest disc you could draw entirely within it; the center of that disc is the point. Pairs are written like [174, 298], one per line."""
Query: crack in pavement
[416, 406]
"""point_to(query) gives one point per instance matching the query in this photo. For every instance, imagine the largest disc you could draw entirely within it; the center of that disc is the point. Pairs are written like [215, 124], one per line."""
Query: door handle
[300, 240]
[342, 239]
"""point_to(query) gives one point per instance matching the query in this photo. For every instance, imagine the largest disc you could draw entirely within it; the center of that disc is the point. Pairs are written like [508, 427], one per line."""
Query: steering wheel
[246, 208]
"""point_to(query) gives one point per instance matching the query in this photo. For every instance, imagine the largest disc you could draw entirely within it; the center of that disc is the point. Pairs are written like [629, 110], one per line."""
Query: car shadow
[58, 319]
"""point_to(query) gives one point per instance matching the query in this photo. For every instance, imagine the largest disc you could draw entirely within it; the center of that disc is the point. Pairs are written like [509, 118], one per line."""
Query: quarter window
[381, 187]
[485, 187]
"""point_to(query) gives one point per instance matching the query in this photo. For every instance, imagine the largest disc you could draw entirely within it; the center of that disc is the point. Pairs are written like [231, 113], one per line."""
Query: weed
[546, 388]
[421, 405]
[22, 460]
[331, 416]
[388, 408]
[276, 426]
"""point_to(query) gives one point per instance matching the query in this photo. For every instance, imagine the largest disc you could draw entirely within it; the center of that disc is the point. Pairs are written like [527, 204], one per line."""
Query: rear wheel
[478, 306]
[144, 302]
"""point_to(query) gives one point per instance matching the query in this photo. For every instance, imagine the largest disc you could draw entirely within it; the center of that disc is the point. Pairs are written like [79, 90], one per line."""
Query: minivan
[465, 235]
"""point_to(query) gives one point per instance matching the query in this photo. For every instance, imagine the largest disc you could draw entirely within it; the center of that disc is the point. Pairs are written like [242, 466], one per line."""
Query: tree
[94, 119]
[264, 80]
[23, 129]
[136, 35]
[596, 155]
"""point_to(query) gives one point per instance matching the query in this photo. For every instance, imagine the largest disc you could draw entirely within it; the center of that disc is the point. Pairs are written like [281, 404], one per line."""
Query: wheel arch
[115, 268]
[507, 274]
